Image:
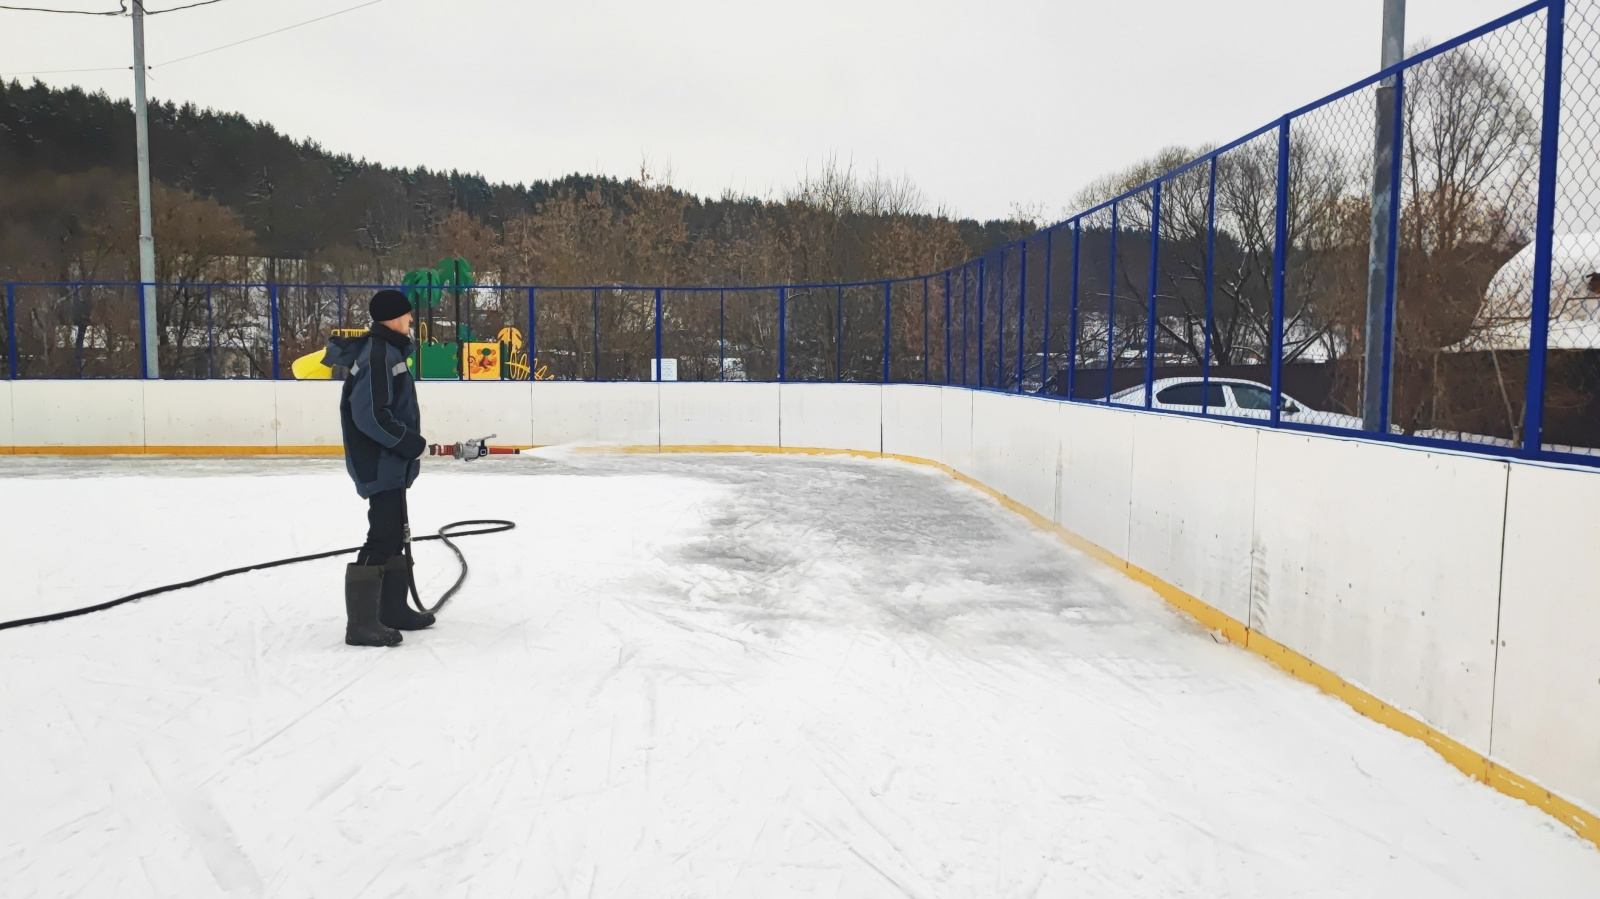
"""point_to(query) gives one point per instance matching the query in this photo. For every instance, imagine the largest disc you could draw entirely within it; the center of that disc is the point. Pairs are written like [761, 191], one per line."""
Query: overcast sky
[983, 105]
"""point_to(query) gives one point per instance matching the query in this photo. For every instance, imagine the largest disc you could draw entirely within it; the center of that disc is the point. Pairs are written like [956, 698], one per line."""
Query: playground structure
[457, 356]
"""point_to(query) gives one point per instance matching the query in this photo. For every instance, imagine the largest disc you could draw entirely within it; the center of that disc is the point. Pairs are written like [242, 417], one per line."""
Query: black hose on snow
[494, 526]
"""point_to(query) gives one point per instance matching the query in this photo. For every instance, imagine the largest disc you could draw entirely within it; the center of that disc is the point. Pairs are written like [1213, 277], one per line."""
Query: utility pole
[147, 241]
[1379, 276]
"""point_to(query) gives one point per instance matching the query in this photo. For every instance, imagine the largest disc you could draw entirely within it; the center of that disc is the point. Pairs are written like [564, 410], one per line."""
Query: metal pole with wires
[147, 241]
[1385, 197]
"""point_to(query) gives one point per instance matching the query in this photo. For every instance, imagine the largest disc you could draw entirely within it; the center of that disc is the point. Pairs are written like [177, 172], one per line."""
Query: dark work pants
[386, 527]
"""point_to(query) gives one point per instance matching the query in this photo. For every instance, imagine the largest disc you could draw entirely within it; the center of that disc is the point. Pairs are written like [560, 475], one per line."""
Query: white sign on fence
[668, 367]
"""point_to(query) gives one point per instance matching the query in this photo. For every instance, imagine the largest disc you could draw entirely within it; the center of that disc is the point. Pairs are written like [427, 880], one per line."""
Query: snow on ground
[681, 676]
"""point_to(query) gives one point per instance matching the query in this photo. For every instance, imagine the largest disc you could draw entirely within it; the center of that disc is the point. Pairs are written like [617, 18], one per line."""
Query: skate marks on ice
[688, 676]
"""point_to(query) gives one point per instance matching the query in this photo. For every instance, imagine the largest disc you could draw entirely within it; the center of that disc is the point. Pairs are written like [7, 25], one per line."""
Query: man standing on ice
[382, 445]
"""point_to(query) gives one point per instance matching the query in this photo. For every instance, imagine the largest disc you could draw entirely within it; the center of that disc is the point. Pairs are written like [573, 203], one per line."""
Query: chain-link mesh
[909, 339]
[1092, 346]
[1468, 190]
[1166, 296]
[76, 331]
[1572, 360]
[1328, 228]
[1056, 322]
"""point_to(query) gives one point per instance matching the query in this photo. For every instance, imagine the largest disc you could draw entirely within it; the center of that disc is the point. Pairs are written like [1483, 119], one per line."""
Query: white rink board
[1016, 443]
[1096, 475]
[912, 416]
[77, 413]
[1547, 692]
[454, 411]
[210, 413]
[1383, 564]
[5, 415]
[831, 416]
[719, 414]
[621, 414]
[308, 413]
[955, 429]
[1193, 507]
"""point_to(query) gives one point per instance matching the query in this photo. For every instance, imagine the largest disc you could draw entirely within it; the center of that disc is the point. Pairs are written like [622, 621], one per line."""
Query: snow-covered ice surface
[681, 676]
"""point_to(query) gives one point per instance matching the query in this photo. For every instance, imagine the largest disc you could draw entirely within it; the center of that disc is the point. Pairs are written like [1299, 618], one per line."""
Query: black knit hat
[388, 305]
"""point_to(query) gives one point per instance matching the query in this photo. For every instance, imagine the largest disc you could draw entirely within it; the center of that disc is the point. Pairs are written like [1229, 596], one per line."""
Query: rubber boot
[393, 610]
[363, 585]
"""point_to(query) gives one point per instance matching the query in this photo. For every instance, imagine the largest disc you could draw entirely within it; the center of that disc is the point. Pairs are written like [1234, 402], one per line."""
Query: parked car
[1230, 397]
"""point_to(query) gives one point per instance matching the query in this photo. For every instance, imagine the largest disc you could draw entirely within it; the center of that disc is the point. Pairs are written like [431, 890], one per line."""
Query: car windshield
[1124, 394]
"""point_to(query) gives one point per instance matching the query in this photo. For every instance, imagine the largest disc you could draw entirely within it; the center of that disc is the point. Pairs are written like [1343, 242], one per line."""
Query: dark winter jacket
[378, 410]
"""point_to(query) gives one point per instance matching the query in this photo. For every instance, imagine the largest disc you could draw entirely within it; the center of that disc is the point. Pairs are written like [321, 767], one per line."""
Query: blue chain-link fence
[1243, 285]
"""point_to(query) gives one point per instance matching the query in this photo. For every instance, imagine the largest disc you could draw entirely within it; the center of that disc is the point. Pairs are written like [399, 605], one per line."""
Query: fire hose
[465, 451]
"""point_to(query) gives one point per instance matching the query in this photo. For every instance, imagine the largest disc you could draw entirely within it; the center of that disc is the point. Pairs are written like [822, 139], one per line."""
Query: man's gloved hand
[412, 446]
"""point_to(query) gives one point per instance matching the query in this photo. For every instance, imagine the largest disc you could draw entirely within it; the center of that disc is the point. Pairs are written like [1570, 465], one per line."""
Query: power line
[268, 34]
[157, 12]
[68, 12]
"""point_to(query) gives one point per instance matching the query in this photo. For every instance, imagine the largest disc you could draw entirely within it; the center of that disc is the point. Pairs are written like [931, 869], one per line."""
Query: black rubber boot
[393, 610]
[363, 585]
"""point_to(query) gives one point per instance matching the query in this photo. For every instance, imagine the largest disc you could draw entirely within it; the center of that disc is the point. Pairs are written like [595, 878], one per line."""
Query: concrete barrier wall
[1459, 590]
[1547, 687]
[67, 414]
[713, 414]
[461, 410]
[836, 416]
[622, 414]
[1096, 475]
[1383, 564]
[913, 421]
[1191, 511]
[210, 413]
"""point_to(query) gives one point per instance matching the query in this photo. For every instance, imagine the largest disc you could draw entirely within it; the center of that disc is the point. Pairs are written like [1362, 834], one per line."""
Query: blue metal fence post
[533, 335]
[925, 370]
[887, 285]
[980, 324]
[1150, 314]
[657, 366]
[1072, 309]
[144, 355]
[1000, 326]
[838, 333]
[1111, 306]
[1022, 311]
[1210, 270]
[1044, 351]
[11, 329]
[211, 337]
[783, 333]
[1280, 256]
[965, 325]
[947, 326]
[594, 302]
[722, 335]
[1393, 251]
[1544, 228]
[272, 303]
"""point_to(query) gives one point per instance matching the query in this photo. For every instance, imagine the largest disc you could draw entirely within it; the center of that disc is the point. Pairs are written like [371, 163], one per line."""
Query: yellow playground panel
[503, 358]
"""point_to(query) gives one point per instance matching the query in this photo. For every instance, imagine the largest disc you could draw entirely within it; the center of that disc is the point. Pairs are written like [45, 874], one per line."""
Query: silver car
[1229, 397]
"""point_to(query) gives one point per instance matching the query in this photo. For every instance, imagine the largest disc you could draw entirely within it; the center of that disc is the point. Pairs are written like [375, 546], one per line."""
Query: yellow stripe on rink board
[1582, 821]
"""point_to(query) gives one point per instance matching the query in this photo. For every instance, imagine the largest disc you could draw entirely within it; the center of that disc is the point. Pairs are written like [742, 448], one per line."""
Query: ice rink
[680, 676]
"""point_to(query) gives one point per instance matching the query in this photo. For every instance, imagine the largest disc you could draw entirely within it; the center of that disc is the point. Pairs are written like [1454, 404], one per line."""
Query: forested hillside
[236, 200]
